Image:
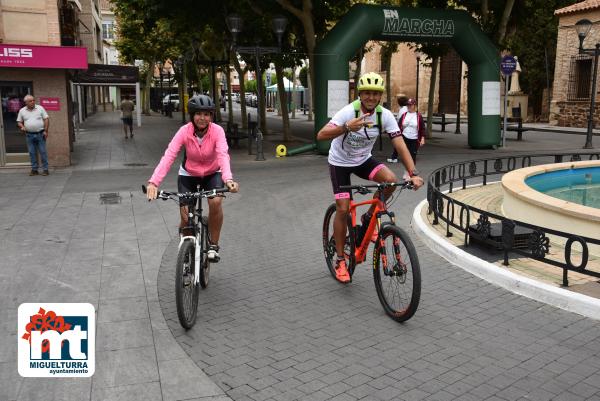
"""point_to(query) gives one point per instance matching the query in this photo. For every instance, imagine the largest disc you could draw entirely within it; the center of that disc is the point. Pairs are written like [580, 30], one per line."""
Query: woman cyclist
[205, 163]
[354, 130]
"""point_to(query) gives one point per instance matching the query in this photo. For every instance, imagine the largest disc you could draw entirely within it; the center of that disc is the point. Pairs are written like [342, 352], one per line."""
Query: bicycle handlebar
[365, 189]
[189, 195]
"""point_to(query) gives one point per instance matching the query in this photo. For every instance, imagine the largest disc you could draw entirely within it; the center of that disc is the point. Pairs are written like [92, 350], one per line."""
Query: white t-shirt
[33, 120]
[357, 145]
[410, 126]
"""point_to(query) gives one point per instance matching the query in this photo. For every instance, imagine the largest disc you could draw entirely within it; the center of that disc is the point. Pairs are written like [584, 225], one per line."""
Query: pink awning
[26, 56]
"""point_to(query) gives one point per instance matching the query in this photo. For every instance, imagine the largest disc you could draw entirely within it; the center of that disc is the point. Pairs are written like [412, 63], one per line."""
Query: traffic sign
[508, 65]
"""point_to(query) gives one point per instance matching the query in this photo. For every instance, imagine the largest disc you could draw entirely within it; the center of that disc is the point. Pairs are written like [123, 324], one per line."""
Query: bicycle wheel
[329, 242]
[186, 291]
[396, 273]
[204, 262]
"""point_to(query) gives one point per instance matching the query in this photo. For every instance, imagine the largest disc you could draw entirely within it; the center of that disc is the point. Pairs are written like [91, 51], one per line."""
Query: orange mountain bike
[396, 270]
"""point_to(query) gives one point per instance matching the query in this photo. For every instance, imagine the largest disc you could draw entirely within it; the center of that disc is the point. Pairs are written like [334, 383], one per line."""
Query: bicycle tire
[186, 291]
[404, 276]
[204, 262]
[329, 242]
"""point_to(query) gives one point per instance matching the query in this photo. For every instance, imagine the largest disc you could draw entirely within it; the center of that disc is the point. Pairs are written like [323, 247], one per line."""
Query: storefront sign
[50, 103]
[108, 74]
[25, 56]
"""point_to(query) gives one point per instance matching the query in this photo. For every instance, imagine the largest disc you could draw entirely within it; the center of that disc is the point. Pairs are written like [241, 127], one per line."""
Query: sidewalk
[61, 244]
[272, 324]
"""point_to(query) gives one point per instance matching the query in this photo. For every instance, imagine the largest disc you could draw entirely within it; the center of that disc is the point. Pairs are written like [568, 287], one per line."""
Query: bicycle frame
[195, 212]
[360, 252]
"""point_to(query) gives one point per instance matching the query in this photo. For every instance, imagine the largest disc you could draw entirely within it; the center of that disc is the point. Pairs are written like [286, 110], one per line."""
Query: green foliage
[303, 76]
[250, 86]
[534, 42]
[142, 35]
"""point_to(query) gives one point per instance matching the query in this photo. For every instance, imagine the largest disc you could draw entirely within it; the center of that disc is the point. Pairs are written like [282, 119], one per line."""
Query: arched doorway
[366, 22]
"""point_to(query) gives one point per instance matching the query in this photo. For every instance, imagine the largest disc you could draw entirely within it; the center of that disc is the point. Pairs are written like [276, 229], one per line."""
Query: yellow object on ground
[281, 151]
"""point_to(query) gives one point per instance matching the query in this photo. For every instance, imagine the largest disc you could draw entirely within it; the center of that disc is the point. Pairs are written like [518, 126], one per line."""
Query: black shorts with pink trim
[340, 176]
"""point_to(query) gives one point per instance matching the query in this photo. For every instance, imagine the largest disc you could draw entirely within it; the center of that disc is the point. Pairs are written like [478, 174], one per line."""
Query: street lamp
[417, 95]
[160, 74]
[235, 24]
[583, 27]
[169, 104]
[457, 130]
[180, 64]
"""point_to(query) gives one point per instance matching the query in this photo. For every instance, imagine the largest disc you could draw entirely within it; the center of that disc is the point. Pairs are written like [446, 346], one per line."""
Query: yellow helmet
[371, 81]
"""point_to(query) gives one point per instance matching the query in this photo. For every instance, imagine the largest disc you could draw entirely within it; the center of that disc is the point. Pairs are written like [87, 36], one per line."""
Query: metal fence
[512, 237]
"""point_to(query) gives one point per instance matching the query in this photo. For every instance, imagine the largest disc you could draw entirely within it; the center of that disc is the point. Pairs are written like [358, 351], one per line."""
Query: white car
[174, 99]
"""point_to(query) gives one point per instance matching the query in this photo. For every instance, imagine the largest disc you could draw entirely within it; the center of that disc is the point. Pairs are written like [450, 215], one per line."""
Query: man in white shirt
[353, 137]
[34, 122]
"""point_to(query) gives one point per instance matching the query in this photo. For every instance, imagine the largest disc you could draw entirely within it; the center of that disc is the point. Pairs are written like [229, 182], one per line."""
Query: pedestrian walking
[413, 129]
[127, 107]
[34, 122]
[403, 103]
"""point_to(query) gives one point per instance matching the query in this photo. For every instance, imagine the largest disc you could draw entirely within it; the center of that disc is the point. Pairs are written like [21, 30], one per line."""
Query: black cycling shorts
[186, 183]
[341, 176]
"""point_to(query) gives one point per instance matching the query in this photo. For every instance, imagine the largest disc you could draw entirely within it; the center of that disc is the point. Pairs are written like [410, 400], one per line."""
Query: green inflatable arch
[365, 22]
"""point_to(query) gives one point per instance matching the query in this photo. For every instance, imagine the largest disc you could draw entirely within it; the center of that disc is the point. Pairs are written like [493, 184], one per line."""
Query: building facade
[573, 72]
[411, 76]
[40, 48]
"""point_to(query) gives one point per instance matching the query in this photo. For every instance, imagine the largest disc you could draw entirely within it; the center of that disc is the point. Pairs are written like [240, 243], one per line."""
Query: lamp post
[583, 28]
[180, 64]
[457, 130]
[169, 103]
[234, 24]
[417, 95]
[160, 75]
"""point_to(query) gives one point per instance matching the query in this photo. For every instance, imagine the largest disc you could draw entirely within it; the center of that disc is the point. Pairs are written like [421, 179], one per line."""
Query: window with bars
[580, 77]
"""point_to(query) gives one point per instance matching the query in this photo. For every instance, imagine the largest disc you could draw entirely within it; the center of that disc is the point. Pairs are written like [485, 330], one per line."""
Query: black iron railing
[510, 236]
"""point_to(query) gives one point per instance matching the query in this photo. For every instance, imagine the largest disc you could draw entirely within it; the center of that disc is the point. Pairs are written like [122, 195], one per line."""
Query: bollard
[259, 146]
[235, 135]
[252, 132]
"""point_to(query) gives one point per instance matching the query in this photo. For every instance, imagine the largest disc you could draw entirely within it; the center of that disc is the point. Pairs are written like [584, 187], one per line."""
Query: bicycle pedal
[187, 280]
[213, 254]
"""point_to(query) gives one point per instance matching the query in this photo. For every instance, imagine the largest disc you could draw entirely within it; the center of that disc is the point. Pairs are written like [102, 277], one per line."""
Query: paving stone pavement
[272, 324]
[59, 243]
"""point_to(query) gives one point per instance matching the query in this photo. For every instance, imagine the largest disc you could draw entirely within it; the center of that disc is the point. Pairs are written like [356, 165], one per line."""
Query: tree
[316, 17]
[536, 23]
[140, 36]
[387, 51]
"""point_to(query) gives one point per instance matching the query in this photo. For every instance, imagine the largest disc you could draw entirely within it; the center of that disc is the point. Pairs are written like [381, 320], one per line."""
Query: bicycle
[403, 270]
[192, 268]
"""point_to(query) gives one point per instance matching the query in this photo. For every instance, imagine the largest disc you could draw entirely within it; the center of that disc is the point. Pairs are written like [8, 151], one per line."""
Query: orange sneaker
[341, 271]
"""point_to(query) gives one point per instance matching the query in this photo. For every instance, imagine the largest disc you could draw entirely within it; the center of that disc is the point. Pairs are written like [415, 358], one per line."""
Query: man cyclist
[354, 130]
[205, 163]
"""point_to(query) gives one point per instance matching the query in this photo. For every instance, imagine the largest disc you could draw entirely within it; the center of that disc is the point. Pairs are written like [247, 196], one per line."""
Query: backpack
[378, 111]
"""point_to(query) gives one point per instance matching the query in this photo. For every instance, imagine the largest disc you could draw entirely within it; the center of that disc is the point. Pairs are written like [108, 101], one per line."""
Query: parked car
[174, 99]
[251, 99]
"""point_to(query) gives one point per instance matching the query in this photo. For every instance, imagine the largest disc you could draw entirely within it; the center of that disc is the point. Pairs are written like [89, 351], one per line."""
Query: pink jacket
[201, 159]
